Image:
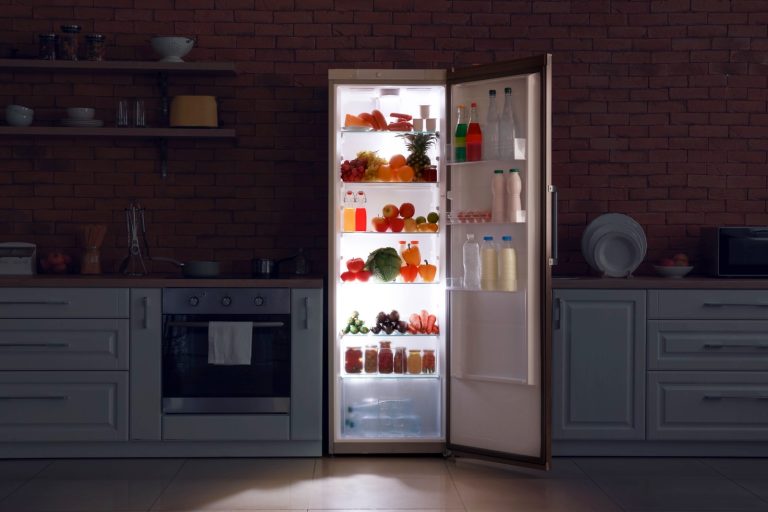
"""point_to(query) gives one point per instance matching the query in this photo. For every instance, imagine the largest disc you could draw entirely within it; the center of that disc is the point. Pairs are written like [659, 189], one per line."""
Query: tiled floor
[392, 483]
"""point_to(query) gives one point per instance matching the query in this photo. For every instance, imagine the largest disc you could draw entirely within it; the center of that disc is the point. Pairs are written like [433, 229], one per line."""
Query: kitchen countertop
[155, 281]
[653, 282]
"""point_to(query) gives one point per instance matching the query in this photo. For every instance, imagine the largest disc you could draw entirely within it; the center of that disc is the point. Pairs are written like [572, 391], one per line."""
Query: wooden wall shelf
[136, 133]
[123, 66]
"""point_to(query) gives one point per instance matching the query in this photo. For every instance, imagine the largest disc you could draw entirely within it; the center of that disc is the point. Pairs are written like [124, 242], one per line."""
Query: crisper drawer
[63, 406]
[93, 344]
[708, 406]
[708, 304]
[63, 303]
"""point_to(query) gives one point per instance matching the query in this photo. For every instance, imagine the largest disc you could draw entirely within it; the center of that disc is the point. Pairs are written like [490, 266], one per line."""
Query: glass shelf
[393, 335]
[371, 281]
[393, 132]
[394, 185]
[390, 233]
[382, 376]
[501, 164]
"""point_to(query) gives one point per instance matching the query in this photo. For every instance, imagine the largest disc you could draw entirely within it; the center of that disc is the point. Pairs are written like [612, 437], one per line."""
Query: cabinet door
[599, 364]
[146, 345]
[306, 364]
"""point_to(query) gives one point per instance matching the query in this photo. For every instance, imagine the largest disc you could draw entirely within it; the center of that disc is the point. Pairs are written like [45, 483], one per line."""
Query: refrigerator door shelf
[475, 218]
[386, 376]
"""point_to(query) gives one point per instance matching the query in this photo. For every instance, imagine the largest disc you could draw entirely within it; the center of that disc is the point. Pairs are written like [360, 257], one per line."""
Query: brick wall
[659, 112]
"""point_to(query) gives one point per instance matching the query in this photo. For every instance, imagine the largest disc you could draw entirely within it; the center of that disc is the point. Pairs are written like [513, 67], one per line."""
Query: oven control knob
[226, 301]
[194, 301]
[259, 301]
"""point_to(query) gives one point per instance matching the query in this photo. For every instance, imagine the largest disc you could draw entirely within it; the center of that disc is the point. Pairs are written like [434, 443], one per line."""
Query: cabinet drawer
[99, 344]
[708, 406]
[63, 406]
[226, 427]
[707, 345]
[708, 304]
[63, 303]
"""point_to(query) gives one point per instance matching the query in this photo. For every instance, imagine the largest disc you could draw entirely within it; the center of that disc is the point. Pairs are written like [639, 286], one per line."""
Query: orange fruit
[405, 173]
[397, 161]
[384, 173]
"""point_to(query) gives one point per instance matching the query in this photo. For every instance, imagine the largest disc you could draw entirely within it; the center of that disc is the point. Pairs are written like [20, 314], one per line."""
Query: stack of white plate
[81, 117]
[614, 245]
[82, 123]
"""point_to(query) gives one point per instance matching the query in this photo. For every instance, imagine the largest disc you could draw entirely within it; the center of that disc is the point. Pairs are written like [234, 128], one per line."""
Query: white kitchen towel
[229, 343]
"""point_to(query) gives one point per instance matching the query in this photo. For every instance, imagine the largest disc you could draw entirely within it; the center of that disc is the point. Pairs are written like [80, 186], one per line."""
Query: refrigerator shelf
[479, 217]
[389, 233]
[393, 335]
[368, 133]
[390, 376]
[359, 283]
[391, 185]
[455, 284]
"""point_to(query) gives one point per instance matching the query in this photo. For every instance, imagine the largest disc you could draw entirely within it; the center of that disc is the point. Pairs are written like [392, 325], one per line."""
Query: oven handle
[256, 325]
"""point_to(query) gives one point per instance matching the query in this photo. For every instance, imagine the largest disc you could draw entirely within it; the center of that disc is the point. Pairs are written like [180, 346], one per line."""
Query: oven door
[193, 386]
[743, 252]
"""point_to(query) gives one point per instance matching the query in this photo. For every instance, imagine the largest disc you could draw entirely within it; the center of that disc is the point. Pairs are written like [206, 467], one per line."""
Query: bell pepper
[355, 265]
[427, 272]
[409, 273]
[412, 255]
[363, 275]
[347, 276]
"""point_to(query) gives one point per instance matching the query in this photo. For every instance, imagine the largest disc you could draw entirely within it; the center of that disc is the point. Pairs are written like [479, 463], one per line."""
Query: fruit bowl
[172, 48]
[672, 271]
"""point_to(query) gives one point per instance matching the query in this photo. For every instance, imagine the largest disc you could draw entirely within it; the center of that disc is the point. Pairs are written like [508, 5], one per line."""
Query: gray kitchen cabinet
[226, 427]
[146, 357]
[708, 304]
[63, 406]
[306, 364]
[63, 303]
[599, 365]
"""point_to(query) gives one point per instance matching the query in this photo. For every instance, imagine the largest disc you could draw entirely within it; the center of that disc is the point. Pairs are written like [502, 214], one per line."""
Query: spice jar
[386, 359]
[400, 360]
[428, 361]
[371, 359]
[353, 360]
[95, 47]
[47, 46]
[68, 42]
[414, 361]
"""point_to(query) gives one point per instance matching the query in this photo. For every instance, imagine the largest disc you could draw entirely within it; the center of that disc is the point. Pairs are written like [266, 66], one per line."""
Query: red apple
[389, 211]
[407, 210]
[667, 262]
[347, 276]
[380, 224]
[681, 260]
[397, 224]
[363, 275]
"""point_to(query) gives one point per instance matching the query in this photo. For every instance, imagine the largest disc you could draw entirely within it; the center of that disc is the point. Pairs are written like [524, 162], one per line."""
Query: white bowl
[20, 110]
[81, 113]
[674, 272]
[172, 48]
[14, 116]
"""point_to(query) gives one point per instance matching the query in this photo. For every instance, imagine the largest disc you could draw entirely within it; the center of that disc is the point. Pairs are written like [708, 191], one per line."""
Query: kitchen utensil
[95, 47]
[608, 223]
[430, 124]
[133, 264]
[47, 46]
[672, 272]
[172, 48]
[139, 114]
[264, 268]
[617, 254]
[17, 115]
[194, 111]
[92, 239]
[81, 113]
[121, 118]
[68, 42]
[418, 124]
[194, 269]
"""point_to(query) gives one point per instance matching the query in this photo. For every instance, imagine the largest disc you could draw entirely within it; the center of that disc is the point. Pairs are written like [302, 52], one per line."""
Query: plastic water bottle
[507, 265]
[471, 263]
[507, 127]
[491, 130]
[489, 264]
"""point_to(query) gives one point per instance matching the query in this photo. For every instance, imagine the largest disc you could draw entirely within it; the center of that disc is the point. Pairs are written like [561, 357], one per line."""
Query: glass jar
[414, 361]
[47, 46]
[400, 363]
[371, 359]
[429, 173]
[95, 47]
[428, 361]
[353, 360]
[68, 42]
[386, 359]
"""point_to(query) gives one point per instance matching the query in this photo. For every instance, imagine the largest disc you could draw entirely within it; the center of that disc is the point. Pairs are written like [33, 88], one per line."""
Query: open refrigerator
[487, 394]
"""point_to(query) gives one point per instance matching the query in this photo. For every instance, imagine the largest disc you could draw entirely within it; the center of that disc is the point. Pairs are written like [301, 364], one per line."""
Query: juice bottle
[348, 214]
[460, 139]
[361, 223]
[474, 136]
[507, 265]
[489, 264]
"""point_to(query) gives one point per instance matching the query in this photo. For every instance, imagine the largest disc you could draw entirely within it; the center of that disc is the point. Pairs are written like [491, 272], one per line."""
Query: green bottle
[460, 139]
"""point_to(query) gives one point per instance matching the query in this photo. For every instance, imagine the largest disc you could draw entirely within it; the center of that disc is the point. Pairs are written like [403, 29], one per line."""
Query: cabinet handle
[556, 312]
[35, 397]
[34, 345]
[736, 304]
[145, 322]
[34, 302]
[718, 346]
[305, 319]
[553, 227]
[735, 396]
[256, 325]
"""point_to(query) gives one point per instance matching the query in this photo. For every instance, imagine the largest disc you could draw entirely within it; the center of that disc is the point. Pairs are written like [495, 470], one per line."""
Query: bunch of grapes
[389, 323]
[353, 170]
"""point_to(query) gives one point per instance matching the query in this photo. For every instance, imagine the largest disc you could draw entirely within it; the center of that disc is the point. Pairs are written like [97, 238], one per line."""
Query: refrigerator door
[498, 399]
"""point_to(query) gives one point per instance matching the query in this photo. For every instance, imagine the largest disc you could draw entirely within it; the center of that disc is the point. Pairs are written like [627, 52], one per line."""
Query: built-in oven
[192, 385]
[736, 251]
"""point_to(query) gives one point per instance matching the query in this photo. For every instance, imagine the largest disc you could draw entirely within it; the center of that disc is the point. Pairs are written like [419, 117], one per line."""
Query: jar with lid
[401, 363]
[68, 42]
[414, 361]
[371, 359]
[428, 361]
[47, 46]
[353, 360]
[386, 359]
[95, 47]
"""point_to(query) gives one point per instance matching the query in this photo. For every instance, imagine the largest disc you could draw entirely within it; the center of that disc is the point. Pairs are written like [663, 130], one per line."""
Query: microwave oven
[735, 251]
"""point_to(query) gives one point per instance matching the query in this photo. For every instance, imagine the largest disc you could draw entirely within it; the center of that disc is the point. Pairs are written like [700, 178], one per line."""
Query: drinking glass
[139, 114]
[122, 113]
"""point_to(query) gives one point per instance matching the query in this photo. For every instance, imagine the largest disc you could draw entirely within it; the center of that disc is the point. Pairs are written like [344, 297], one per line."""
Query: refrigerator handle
[553, 260]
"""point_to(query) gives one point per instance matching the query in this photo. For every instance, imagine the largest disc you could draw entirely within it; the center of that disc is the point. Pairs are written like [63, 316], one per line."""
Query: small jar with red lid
[386, 358]
[353, 360]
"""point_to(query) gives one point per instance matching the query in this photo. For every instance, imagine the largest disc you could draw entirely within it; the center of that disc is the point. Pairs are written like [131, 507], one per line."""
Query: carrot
[368, 118]
[402, 117]
[415, 321]
[380, 120]
[431, 321]
[424, 319]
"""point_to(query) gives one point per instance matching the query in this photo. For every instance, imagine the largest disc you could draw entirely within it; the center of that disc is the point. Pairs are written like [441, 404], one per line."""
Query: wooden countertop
[154, 281]
[652, 282]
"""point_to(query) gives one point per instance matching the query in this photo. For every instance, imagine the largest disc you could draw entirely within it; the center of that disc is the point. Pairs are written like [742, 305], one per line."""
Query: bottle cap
[514, 170]
[507, 238]
[470, 236]
[492, 92]
[507, 90]
[474, 104]
[498, 171]
[487, 238]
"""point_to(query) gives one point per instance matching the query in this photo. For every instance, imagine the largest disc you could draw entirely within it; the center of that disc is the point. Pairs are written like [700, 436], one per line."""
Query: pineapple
[418, 144]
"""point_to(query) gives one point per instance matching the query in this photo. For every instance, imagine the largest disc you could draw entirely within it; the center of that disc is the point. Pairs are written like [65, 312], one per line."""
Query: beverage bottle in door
[471, 263]
[507, 127]
[498, 199]
[507, 265]
[474, 136]
[489, 264]
[460, 138]
[491, 130]
[348, 213]
[361, 215]
[514, 187]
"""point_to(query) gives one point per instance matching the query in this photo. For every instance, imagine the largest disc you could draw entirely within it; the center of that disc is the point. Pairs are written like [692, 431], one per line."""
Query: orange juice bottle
[348, 213]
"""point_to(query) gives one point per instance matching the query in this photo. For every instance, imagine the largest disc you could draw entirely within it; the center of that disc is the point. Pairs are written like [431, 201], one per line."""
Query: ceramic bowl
[172, 48]
[20, 109]
[674, 272]
[81, 113]
[16, 115]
